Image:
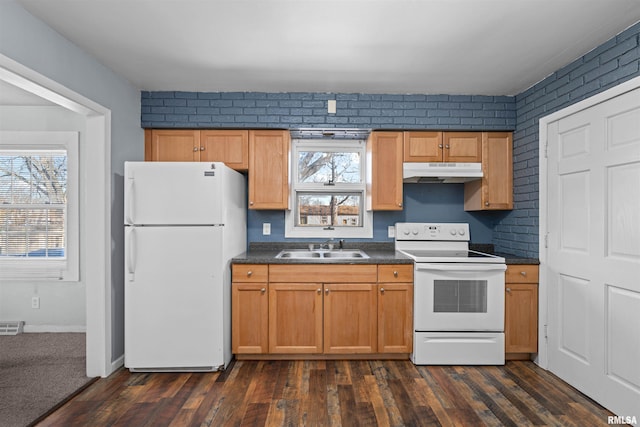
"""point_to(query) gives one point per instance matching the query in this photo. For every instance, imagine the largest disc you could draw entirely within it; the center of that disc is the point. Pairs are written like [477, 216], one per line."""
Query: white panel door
[593, 178]
[173, 297]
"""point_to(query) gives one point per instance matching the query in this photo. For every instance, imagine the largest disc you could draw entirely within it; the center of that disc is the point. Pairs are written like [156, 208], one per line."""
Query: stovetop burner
[439, 242]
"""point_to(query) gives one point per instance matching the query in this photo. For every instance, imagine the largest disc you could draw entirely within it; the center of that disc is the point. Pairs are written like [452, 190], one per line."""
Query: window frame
[333, 145]
[49, 269]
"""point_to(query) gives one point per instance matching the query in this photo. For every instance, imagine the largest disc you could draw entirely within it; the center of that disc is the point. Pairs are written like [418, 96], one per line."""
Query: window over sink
[328, 190]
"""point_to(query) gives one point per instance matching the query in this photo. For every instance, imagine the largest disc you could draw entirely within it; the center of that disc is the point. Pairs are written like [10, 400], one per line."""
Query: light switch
[331, 106]
[266, 228]
[391, 231]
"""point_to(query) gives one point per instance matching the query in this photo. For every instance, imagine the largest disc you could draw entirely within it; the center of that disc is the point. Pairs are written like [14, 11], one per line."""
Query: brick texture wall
[305, 110]
[606, 66]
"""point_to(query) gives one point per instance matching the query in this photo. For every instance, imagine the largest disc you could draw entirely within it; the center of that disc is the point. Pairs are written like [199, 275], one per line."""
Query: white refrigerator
[184, 221]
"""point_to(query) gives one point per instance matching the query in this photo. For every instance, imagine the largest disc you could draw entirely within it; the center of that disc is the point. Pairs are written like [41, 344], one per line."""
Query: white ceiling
[479, 47]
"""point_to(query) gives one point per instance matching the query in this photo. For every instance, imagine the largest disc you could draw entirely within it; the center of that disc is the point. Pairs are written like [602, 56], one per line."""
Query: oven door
[459, 297]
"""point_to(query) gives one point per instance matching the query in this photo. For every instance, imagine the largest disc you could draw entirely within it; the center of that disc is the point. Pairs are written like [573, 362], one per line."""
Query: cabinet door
[462, 147]
[495, 190]
[295, 318]
[384, 174]
[395, 317]
[250, 318]
[423, 146]
[174, 145]
[228, 146]
[269, 169]
[521, 318]
[350, 318]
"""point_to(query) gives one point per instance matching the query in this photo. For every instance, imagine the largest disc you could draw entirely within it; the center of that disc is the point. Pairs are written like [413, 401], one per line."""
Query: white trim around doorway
[96, 223]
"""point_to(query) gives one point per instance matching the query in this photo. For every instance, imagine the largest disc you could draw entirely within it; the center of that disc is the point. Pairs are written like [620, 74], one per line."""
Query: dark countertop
[379, 253]
[265, 252]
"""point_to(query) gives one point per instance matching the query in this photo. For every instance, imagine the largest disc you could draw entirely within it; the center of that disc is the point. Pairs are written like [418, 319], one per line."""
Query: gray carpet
[37, 372]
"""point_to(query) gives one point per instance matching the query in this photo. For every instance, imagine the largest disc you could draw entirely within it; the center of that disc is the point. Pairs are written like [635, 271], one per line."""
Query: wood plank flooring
[334, 393]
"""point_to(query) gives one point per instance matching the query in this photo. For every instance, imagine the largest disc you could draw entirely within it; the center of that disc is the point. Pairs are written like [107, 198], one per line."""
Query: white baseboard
[54, 328]
[117, 364]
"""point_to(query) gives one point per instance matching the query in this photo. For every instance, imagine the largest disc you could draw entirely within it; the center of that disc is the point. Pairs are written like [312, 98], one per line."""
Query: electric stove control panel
[432, 231]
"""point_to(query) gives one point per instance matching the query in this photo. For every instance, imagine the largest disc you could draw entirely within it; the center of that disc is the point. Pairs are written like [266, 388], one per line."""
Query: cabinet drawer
[322, 273]
[250, 273]
[521, 274]
[395, 273]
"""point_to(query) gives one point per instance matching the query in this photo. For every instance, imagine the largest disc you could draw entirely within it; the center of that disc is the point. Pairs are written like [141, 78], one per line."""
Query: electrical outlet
[266, 229]
[391, 231]
[331, 106]
[35, 302]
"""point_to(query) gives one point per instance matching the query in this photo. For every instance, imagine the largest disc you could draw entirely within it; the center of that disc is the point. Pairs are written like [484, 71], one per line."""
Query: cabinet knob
[249, 273]
[400, 205]
[326, 291]
[486, 203]
[251, 203]
[524, 273]
[382, 290]
[263, 290]
[319, 290]
[508, 289]
[446, 146]
[195, 149]
[439, 145]
[395, 274]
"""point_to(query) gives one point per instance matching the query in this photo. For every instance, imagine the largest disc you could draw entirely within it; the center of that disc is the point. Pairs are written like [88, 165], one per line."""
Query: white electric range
[458, 296]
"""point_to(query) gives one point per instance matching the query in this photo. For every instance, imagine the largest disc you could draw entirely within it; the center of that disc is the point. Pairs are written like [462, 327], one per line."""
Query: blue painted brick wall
[610, 64]
[303, 110]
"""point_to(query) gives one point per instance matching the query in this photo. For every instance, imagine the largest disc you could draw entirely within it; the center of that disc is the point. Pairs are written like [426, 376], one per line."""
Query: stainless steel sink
[322, 254]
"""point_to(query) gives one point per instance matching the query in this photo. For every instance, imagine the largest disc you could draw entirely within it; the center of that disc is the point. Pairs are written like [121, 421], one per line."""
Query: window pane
[33, 187]
[326, 167]
[336, 210]
[32, 232]
[33, 178]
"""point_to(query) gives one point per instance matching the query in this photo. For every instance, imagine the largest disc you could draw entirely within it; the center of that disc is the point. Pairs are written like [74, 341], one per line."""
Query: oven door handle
[461, 267]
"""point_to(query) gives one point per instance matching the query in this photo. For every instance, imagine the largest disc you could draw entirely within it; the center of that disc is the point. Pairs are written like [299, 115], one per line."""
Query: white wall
[32, 43]
[62, 304]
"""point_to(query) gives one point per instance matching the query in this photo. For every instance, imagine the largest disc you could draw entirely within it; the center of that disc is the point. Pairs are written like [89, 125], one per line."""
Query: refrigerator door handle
[131, 256]
[129, 203]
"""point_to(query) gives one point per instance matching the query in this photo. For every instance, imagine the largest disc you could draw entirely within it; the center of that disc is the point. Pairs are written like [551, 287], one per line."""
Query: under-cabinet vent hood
[446, 173]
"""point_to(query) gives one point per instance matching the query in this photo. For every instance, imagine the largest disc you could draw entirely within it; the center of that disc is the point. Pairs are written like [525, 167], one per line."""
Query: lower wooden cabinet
[295, 318]
[521, 311]
[348, 313]
[350, 318]
[250, 318]
[395, 317]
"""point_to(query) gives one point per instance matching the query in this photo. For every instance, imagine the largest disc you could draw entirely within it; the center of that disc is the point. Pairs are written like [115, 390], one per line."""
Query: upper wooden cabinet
[228, 146]
[269, 169]
[495, 190]
[454, 147]
[180, 145]
[384, 171]
[172, 145]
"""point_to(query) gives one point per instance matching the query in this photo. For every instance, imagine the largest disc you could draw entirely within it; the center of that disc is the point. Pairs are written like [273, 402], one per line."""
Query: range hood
[445, 173]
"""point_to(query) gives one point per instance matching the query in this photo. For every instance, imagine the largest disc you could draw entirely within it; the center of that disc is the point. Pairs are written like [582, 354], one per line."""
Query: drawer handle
[249, 273]
[524, 273]
[395, 274]
[263, 290]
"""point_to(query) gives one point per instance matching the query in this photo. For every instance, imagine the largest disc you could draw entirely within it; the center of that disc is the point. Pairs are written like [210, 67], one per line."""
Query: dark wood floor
[333, 393]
